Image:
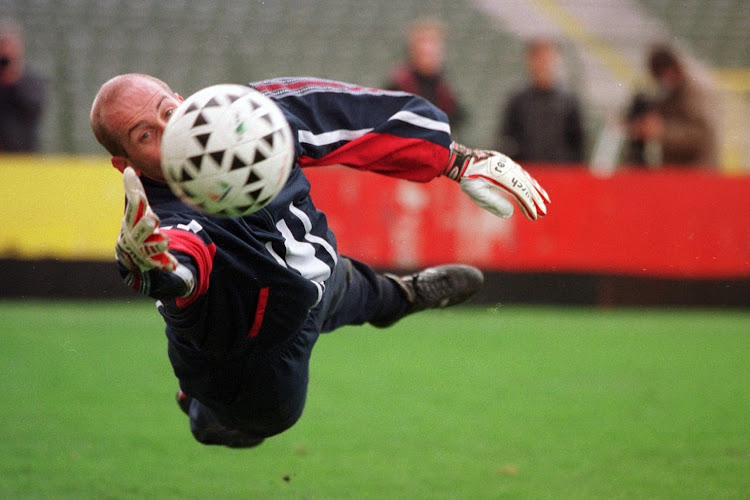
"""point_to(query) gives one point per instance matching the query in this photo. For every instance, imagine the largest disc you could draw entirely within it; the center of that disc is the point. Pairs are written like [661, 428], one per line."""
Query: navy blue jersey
[258, 276]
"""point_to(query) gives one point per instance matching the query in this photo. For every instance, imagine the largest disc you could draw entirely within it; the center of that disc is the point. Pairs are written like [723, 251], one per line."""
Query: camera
[641, 106]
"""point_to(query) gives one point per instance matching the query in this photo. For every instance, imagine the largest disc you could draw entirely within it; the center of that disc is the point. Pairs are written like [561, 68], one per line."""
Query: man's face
[427, 51]
[138, 118]
[669, 79]
[543, 66]
[11, 59]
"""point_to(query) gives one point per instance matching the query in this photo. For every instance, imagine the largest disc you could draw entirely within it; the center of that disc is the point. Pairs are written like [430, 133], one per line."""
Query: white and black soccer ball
[227, 150]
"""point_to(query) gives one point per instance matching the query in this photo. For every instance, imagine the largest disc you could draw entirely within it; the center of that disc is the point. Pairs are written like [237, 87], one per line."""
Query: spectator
[423, 71]
[22, 94]
[674, 127]
[542, 122]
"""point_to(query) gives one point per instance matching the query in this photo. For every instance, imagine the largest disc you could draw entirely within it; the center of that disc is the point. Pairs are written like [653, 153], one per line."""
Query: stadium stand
[716, 30]
[79, 44]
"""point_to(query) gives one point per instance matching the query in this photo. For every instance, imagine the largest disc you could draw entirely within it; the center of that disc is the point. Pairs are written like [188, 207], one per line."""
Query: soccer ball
[227, 150]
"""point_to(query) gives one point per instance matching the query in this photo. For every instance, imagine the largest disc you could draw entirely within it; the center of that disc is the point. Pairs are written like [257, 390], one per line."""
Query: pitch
[483, 402]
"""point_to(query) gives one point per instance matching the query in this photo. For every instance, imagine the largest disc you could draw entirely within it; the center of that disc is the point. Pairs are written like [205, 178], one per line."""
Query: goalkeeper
[245, 299]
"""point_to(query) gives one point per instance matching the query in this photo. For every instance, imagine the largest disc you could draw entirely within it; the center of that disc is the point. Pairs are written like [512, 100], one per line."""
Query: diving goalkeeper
[245, 299]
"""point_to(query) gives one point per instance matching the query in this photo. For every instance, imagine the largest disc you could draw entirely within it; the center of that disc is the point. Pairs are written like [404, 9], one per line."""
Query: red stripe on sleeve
[260, 311]
[202, 255]
[283, 86]
[404, 158]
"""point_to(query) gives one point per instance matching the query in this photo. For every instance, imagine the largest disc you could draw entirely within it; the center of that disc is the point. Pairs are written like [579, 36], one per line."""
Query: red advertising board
[671, 224]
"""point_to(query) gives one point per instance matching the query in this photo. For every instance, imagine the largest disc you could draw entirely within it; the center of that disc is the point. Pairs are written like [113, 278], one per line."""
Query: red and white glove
[488, 177]
[141, 246]
[143, 249]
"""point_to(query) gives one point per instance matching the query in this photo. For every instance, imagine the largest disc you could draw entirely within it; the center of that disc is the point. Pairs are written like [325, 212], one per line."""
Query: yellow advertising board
[59, 207]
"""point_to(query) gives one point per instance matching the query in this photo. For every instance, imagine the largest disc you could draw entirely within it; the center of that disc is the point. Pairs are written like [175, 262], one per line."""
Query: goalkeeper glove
[142, 249]
[486, 175]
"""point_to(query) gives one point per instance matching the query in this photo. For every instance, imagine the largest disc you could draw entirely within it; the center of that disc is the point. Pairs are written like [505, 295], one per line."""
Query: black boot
[435, 287]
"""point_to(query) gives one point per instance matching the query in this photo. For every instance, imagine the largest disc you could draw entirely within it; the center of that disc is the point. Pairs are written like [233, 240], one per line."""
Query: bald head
[426, 46]
[106, 103]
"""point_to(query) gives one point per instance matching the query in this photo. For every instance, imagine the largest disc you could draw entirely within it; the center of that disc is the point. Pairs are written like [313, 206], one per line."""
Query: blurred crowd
[669, 122]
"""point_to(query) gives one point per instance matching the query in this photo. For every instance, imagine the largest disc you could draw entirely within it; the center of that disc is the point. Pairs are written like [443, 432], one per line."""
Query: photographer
[675, 126]
[21, 94]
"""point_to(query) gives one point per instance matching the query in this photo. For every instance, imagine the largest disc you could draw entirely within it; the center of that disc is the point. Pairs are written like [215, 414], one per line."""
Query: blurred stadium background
[78, 44]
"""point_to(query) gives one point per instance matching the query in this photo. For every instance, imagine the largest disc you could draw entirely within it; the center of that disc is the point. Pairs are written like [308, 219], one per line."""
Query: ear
[120, 163]
[178, 97]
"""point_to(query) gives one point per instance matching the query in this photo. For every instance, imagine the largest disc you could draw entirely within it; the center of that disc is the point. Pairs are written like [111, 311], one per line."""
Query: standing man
[423, 71]
[542, 122]
[244, 299]
[676, 126]
[22, 94]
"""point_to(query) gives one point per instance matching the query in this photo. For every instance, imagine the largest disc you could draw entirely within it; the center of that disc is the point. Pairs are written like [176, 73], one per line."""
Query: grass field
[505, 402]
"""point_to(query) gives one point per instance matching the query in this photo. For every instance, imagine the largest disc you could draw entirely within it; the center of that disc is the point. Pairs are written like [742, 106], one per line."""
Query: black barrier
[60, 279]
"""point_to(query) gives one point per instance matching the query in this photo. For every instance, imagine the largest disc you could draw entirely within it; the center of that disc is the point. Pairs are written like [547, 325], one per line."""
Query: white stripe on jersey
[421, 121]
[325, 138]
[307, 224]
[334, 136]
[300, 255]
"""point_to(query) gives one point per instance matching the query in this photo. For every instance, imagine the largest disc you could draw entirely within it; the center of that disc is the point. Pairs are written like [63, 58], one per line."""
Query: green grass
[506, 402]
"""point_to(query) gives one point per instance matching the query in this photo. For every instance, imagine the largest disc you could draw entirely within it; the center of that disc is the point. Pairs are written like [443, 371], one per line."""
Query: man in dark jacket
[542, 122]
[22, 94]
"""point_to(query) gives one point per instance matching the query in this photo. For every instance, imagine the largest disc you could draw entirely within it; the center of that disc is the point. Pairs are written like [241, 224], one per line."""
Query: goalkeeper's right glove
[142, 249]
[486, 176]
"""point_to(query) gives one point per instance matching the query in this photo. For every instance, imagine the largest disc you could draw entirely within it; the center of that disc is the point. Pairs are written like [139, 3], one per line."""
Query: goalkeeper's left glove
[487, 175]
[142, 249]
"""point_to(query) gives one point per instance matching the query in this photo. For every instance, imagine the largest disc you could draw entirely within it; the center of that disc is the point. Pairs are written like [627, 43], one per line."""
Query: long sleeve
[256, 277]
[392, 133]
[688, 132]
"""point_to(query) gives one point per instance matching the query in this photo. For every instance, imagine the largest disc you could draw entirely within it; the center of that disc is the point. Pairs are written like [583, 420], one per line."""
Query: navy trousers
[273, 383]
